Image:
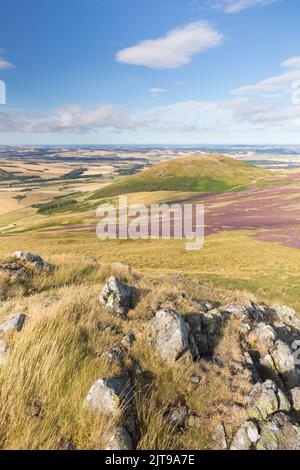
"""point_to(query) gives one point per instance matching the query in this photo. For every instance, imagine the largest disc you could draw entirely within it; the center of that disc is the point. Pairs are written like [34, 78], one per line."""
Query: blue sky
[135, 71]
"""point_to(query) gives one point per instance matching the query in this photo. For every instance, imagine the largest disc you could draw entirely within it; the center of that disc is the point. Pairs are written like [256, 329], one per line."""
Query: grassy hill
[206, 174]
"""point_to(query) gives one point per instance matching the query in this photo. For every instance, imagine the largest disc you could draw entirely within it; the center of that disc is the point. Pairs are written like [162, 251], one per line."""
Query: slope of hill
[206, 174]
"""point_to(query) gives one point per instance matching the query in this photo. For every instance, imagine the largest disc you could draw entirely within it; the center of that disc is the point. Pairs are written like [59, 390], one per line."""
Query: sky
[150, 72]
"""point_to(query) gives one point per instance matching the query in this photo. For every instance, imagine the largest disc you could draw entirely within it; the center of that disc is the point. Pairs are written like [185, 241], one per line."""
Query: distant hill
[205, 174]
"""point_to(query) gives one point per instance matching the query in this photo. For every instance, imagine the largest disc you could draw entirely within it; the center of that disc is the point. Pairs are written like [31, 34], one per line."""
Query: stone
[280, 433]
[2, 351]
[177, 416]
[116, 296]
[235, 310]
[211, 321]
[36, 260]
[15, 323]
[244, 329]
[171, 335]
[256, 312]
[246, 437]
[295, 396]
[265, 400]
[111, 329]
[15, 270]
[120, 440]
[284, 364]
[128, 340]
[219, 437]
[115, 356]
[265, 334]
[285, 314]
[110, 395]
[195, 379]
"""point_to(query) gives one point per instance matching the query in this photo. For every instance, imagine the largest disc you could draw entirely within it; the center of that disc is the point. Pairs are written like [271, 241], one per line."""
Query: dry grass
[59, 354]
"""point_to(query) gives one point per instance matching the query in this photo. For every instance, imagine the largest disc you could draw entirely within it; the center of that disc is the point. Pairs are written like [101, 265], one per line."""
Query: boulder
[110, 395]
[120, 440]
[256, 312]
[2, 351]
[286, 315]
[171, 335]
[279, 433]
[265, 400]
[284, 364]
[36, 260]
[265, 334]
[14, 323]
[116, 296]
[246, 437]
[177, 416]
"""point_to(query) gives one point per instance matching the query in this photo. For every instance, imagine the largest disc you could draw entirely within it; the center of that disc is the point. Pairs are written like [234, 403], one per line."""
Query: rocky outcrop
[116, 296]
[265, 400]
[35, 260]
[279, 433]
[14, 270]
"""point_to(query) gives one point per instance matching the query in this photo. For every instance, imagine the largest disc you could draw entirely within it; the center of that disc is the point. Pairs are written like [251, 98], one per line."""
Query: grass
[58, 355]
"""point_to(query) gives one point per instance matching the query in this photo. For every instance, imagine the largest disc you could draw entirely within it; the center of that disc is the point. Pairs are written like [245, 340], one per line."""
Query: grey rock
[265, 400]
[195, 379]
[36, 260]
[171, 335]
[286, 315]
[120, 440]
[115, 356]
[280, 433]
[2, 351]
[256, 312]
[14, 323]
[295, 396]
[111, 329]
[110, 395]
[235, 310]
[284, 364]
[14, 270]
[265, 334]
[219, 437]
[177, 416]
[116, 296]
[246, 437]
[128, 340]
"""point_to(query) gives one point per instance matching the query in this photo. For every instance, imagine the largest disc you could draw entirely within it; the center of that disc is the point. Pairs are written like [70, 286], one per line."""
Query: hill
[205, 174]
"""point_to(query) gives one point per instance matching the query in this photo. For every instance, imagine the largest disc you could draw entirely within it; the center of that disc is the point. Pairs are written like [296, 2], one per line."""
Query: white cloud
[279, 83]
[4, 64]
[174, 49]
[235, 6]
[157, 92]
